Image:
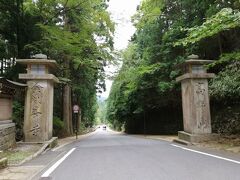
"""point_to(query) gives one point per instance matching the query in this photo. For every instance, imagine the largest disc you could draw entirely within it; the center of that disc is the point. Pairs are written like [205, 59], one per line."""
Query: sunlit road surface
[106, 155]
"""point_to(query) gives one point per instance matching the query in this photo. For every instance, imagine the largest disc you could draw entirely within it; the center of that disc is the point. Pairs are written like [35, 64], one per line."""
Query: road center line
[206, 154]
[53, 167]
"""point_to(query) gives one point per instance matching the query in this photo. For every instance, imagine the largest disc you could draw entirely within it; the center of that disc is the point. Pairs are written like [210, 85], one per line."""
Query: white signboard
[75, 108]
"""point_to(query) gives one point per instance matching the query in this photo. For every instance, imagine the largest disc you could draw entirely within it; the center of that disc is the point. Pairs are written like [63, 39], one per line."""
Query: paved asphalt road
[110, 156]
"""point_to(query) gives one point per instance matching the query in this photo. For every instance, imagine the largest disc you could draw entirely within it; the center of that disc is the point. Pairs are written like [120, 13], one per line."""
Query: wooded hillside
[75, 33]
[145, 96]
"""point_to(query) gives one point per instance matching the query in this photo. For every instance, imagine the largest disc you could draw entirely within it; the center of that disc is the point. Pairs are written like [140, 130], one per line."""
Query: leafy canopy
[224, 20]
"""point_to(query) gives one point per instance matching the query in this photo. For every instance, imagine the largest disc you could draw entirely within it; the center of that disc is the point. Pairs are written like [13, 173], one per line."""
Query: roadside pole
[144, 123]
[76, 111]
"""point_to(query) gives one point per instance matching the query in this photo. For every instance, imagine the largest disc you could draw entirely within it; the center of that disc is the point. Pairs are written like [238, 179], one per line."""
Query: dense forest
[145, 97]
[75, 33]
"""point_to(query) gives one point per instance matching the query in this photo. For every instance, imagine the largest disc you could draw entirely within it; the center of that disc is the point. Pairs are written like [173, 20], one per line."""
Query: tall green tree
[76, 33]
[167, 32]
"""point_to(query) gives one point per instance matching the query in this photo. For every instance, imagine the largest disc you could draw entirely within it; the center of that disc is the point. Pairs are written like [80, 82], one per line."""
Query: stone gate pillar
[38, 114]
[195, 100]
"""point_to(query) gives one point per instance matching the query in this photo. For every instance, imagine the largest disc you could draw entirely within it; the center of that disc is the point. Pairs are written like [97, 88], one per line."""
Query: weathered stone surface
[7, 136]
[196, 109]
[38, 114]
[40, 56]
[195, 76]
[5, 108]
[7, 128]
[53, 142]
[197, 138]
[195, 100]
[193, 56]
[48, 62]
[38, 111]
[37, 77]
[3, 163]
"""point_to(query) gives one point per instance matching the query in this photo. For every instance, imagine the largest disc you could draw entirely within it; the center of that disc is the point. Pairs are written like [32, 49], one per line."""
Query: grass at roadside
[19, 153]
[229, 143]
[16, 157]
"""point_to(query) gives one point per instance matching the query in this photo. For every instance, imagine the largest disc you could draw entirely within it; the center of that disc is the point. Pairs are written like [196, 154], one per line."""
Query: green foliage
[226, 118]
[225, 59]
[145, 88]
[101, 112]
[76, 33]
[149, 11]
[226, 86]
[224, 20]
[18, 118]
[58, 127]
[74, 44]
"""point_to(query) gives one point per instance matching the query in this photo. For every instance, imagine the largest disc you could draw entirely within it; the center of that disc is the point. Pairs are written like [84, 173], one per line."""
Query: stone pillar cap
[193, 56]
[39, 56]
[193, 60]
[49, 62]
[195, 76]
[39, 77]
[197, 62]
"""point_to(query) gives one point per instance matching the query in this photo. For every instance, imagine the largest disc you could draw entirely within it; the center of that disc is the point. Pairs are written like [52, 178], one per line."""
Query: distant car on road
[104, 127]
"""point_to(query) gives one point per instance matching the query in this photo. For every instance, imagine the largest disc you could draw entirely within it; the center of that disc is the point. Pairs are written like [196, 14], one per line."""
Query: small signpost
[75, 108]
[76, 111]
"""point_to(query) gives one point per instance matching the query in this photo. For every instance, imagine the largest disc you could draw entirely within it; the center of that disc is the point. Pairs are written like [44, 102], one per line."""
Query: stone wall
[7, 136]
[5, 108]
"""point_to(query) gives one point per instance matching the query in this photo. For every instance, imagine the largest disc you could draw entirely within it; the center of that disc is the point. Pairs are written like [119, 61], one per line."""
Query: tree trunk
[70, 112]
[67, 91]
[67, 109]
[18, 28]
[67, 100]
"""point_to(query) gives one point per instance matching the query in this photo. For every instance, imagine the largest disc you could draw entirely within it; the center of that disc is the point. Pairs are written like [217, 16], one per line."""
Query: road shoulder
[23, 172]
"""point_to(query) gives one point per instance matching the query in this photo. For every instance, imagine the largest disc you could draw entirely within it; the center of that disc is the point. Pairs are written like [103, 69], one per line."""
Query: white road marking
[206, 154]
[53, 167]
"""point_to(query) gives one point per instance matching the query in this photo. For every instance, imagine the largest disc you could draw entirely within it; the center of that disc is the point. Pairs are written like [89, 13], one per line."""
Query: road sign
[76, 108]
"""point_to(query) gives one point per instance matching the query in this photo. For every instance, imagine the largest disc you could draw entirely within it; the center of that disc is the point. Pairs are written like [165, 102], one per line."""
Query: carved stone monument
[195, 100]
[7, 127]
[38, 114]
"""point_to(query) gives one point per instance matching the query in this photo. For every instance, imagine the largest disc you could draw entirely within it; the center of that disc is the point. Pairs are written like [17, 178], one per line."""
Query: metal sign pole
[76, 111]
[76, 125]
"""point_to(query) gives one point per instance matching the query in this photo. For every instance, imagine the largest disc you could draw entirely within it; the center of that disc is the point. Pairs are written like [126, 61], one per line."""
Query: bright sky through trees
[121, 12]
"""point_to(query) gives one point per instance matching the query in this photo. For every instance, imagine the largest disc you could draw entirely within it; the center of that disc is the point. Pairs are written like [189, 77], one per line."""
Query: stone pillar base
[53, 142]
[196, 138]
[7, 136]
[3, 163]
